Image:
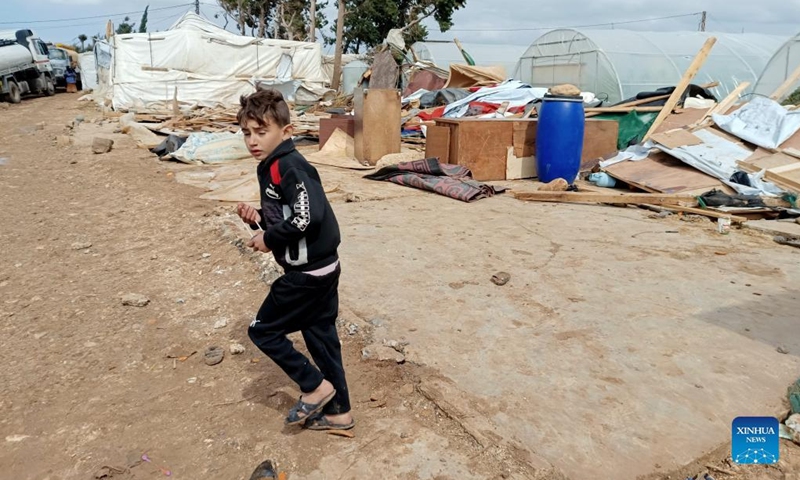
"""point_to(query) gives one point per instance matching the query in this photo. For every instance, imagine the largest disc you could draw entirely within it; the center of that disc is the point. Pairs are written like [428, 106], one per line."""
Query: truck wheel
[49, 87]
[14, 93]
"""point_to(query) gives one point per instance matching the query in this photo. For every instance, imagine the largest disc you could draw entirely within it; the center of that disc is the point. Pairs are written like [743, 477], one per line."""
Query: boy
[300, 229]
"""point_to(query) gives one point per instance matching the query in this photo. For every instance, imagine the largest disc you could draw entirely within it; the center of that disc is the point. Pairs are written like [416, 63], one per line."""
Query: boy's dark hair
[264, 104]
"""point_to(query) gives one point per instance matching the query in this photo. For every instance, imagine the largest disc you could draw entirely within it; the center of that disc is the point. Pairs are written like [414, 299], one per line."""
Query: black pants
[308, 304]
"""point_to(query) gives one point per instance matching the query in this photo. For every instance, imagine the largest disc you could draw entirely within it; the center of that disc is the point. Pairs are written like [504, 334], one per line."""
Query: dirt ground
[93, 388]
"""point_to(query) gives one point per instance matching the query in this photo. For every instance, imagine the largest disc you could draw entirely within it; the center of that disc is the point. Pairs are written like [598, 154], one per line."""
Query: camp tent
[202, 64]
[618, 64]
[445, 53]
[88, 66]
[785, 61]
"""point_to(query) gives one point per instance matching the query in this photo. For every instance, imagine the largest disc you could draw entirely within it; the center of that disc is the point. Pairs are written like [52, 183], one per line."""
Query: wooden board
[685, 117]
[524, 139]
[327, 126]
[437, 143]
[664, 174]
[518, 168]
[615, 198]
[384, 71]
[599, 139]
[377, 124]
[676, 95]
[676, 138]
[767, 162]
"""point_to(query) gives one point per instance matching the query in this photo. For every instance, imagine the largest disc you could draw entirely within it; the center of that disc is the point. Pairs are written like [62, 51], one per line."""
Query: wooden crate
[483, 145]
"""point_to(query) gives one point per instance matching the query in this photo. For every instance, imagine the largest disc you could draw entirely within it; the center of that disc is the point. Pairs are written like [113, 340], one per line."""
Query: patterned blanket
[452, 181]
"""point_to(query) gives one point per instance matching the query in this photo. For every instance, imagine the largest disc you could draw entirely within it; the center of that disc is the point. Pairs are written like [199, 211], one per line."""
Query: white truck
[24, 65]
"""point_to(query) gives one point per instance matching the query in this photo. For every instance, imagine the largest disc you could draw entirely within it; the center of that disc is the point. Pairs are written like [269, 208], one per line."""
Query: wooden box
[504, 149]
[377, 124]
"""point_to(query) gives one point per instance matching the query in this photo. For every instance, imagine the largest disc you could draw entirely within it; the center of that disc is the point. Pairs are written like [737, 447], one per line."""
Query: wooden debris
[341, 433]
[617, 198]
[688, 76]
[786, 85]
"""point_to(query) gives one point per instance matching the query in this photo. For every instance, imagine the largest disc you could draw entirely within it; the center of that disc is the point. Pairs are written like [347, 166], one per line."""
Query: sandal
[307, 409]
[319, 422]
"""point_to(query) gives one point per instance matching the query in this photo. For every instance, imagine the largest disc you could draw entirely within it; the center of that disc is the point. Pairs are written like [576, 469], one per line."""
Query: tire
[49, 88]
[14, 93]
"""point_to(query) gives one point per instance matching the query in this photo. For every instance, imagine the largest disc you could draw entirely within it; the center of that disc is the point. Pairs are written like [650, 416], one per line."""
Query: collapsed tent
[618, 64]
[199, 63]
[779, 68]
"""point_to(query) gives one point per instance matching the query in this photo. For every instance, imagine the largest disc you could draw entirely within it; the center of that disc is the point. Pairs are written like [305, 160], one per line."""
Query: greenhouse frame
[779, 68]
[618, 64]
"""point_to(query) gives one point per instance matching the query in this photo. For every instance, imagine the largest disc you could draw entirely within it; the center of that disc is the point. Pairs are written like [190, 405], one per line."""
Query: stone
[501, 278]
[383, 353]
[352, 329]
[135, 300]
[102, 145]
[214, 355]
[237, 349]
[40, 126]
[180, 301]
[81, 245]
[557, 185]
[376, 322]
[407, 390]
[80, 119]
[191, 380]
[206, 255]
[567, 90]
[783, 350]
[64, 141]
[221, 324]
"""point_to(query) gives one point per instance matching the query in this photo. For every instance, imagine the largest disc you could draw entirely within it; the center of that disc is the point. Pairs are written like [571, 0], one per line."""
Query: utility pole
[197, 7]
[313, 14]
[703, 21]
[337, 59]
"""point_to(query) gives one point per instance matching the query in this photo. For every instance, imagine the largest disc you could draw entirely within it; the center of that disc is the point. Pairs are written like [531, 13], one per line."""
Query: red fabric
[275, 172]
[430, 115]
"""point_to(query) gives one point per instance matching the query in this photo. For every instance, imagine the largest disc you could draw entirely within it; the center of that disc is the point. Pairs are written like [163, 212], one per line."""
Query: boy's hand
[257, 243]
[248, 214]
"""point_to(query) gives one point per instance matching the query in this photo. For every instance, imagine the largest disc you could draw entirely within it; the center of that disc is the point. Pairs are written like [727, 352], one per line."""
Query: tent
[780, 66]
[445, 53]
[88, 66]
[618, 64]
[202, 64]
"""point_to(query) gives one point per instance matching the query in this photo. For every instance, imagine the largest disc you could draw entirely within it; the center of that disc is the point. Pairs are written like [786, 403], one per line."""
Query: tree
[283, 19]
[125, 27]
[143, 22]
[82, 38]
[367, 22]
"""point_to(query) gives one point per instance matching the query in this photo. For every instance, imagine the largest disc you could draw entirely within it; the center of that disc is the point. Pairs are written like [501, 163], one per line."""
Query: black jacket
[298, 222]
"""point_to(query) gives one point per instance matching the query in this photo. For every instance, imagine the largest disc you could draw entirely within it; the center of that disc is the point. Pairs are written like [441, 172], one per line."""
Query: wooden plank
[518, 168]
[665, 174]
[686, 117]
[786, 169]
[327, 126]
[676, 138]
[615, 198]
[384, 71]
[707, 213]
[767, 162]
[377, 127]
[634, 103]
[783, 89]
[438, 143]
[622, 109]
[687, 78]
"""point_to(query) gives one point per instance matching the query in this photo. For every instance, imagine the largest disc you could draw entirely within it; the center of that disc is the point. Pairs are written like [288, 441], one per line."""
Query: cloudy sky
[482, 21]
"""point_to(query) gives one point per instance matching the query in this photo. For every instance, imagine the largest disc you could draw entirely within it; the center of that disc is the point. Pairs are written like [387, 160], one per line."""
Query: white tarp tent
[203, 64]
[88, 66]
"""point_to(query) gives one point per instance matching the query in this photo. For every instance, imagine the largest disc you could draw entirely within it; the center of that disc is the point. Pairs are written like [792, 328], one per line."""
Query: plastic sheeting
[516, 93]
[212, 148]
[88, 66]
[762, 122]
[780, 66]
[445, 53]
[207, 65]
[618, 64]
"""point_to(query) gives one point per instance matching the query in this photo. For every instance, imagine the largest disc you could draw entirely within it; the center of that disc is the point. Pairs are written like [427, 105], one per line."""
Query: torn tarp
[517, 93]
[762, 121]
[452, 181]
[212, 148]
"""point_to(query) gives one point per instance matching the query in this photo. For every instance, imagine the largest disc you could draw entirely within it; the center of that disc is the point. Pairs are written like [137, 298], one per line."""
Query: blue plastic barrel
[559, 138]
